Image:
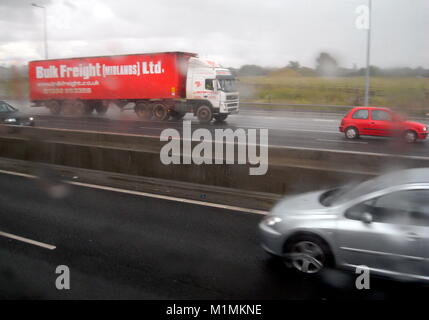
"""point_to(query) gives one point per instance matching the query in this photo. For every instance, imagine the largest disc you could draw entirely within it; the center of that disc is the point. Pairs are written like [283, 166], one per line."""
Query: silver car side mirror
[366, 217]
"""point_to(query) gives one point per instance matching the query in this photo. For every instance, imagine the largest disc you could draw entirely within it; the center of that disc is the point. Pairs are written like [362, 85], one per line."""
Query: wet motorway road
[295, 129]
[122, 246]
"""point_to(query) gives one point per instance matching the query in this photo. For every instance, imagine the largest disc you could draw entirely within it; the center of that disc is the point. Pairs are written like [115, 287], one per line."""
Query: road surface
[124, 246]
[286, 128]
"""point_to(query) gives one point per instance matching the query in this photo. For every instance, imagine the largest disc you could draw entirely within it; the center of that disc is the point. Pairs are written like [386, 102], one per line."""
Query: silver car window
[402, 207]
[412, 206]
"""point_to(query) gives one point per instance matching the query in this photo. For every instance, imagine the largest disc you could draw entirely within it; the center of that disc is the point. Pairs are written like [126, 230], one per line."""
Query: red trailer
[160, 84]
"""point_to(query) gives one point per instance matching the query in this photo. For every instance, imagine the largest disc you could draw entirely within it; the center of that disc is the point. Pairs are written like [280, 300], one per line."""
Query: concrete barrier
[310, 158]
[290, 169]
[55, 174]
[83, 137]
[280, 178]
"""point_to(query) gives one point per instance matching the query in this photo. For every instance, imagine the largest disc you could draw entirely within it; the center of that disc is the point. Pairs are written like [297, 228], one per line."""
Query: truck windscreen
[227, 85]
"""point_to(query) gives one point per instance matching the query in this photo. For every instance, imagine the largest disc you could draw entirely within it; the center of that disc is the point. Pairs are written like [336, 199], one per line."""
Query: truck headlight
[272, 221]
[425, 129]
[31, 119]
[10, 120]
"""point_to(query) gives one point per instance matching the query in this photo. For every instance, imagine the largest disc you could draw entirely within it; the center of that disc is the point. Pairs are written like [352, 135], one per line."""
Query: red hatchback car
[383, 122]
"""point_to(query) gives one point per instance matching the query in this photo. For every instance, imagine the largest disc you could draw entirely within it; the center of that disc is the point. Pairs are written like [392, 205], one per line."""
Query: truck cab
[210, 83]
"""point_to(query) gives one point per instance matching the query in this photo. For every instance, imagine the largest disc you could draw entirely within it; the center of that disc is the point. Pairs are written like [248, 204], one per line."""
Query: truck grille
[232, 106]
[232, 97]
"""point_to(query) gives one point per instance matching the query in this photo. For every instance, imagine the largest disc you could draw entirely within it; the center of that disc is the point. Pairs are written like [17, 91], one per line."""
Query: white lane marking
[14, 173]
[352, 152]
[244, 112]
[151, 136]
[158, 196]
[146, 194]
[26, 240]
[287, 129]
[298, 119]
[345, 141]
[325, 120]
[160, 129]
[95, 132]
[305, 130]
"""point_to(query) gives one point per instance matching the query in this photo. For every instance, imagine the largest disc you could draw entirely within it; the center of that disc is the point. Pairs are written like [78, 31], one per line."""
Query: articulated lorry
[160, 85]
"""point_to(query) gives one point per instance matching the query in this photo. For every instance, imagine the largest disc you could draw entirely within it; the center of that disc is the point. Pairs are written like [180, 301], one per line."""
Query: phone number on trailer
[67, 90]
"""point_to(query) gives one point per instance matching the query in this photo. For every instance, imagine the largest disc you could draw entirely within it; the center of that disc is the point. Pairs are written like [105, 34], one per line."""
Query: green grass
[404, 93]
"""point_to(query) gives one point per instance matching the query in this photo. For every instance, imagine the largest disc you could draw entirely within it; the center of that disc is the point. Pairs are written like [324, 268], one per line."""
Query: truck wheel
[177, 115]
[101, 109]
[89, 109]
[67, 107]
[54, 107]
[204, 114]
[78, 108]
[73, 107]
[144, 110]
[160, 112]
[220, 117]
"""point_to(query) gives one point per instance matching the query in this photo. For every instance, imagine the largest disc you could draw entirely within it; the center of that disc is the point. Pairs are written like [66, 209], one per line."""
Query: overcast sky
[235, 32]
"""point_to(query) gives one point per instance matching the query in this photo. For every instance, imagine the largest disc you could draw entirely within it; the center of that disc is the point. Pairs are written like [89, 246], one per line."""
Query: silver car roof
[402, 177]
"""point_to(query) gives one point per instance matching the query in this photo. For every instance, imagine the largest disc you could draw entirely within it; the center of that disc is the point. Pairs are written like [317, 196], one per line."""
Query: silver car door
[373, 234]
[417, 230]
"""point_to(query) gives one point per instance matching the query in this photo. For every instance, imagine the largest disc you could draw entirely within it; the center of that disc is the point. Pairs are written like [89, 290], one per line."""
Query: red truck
[160, 85]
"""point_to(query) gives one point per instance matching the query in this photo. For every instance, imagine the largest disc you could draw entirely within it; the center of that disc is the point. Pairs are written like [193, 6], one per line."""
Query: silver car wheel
[307, 257]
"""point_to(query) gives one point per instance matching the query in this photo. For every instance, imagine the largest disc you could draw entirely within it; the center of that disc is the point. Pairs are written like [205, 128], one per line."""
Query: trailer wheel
[177, 115]
[74, 108]
[78, 108]
[204, 114]
[220, 117]
[144, 110]
[100, 108]
[160, 112]
[67, 107]
[54, 107]
[89, 109]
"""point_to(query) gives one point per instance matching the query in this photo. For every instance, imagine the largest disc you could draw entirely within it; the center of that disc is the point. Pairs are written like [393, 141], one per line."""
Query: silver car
[382, 224]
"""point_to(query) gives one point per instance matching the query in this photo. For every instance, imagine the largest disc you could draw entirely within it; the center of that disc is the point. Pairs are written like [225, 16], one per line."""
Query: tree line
[327, 66]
